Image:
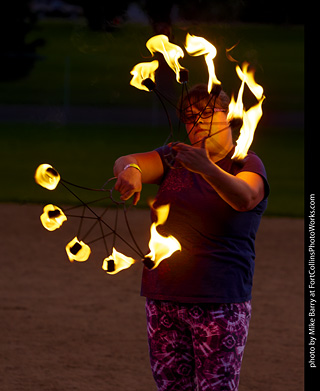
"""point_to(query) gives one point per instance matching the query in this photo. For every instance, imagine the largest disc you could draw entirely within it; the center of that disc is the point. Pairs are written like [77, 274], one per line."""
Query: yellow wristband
[134, 166]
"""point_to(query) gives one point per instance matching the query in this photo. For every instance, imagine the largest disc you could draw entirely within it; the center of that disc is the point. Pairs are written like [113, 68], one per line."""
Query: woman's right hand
[129, 183]
[130, 179]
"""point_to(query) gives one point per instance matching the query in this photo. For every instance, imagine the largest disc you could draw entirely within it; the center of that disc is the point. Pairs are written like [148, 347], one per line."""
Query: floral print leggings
[197, 347]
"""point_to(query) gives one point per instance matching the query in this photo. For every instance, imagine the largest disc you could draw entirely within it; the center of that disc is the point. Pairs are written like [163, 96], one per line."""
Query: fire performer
[198, 301]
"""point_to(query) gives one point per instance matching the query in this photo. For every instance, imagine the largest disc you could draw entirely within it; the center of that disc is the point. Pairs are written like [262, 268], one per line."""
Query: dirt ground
[69, 326]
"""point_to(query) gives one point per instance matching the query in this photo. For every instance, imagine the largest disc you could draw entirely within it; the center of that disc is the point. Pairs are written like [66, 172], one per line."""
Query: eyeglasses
[191, 118]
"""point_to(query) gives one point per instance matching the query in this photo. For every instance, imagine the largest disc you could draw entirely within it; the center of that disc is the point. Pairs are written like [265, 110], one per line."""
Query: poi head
[47, 177]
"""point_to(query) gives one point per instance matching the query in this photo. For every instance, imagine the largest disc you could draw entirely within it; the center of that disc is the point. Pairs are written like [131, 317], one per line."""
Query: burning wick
[52, 217]
[111, 267]
[216, 89]
[236, 123]
[148, 262]
[47, 177]
[150, 84]
[143, 72]
[77, 250]
[184, 75]
[116, 262]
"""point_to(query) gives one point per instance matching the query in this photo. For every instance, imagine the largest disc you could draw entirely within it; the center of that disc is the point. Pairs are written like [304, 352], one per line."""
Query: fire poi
[143, 78]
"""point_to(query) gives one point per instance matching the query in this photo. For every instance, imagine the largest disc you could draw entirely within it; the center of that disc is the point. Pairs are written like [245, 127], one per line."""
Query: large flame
[116, 262]
[171, 52]
[161, 247]
[250, 117]
[198, 46]
[142, 72]
[52, 217]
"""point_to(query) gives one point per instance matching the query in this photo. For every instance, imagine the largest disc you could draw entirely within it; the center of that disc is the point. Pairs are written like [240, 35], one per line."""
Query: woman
[199, 300]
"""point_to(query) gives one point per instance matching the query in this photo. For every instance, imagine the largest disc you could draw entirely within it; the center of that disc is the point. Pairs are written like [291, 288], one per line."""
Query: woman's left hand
[195, 159]
[242, 192]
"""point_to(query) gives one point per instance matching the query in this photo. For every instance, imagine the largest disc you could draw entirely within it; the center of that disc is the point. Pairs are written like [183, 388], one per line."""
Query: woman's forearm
[123, 162]
[242, 192]
[149, 163]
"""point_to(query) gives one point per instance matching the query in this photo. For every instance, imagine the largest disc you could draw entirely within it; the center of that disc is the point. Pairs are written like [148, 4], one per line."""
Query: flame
[52, 217]
[47, 177]
[250, 121]
[116, 262]
[198, 46]
[143, 71]
[250, 117]
[171, 52]
[248, 78]
[161, 247]
[77, 250]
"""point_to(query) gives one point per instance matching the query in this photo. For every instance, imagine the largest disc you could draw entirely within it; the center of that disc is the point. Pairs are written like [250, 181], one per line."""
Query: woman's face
[210, 124]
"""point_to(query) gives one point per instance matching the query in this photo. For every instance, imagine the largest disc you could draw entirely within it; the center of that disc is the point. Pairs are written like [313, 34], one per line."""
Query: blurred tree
[103, 15]
[252, 11]
[160, 16]
[271, 11]
[17, 56]
[208, 10]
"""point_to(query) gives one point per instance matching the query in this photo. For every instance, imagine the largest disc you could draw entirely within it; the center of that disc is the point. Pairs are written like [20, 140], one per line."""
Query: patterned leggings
[197, 346]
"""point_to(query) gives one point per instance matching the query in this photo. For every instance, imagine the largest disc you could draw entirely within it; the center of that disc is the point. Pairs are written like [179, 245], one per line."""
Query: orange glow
[161, 247]
[198, 46]
[143, 71]
[52, 217]
[77, 250]
[171, 52]
[250, 117]
[47, 177]
[116, 262]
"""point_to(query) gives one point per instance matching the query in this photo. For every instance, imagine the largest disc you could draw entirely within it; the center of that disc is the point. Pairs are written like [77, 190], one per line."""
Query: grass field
[79, 67]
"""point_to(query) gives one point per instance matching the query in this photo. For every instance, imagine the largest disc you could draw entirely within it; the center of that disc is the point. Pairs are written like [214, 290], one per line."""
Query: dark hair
[198, 96]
